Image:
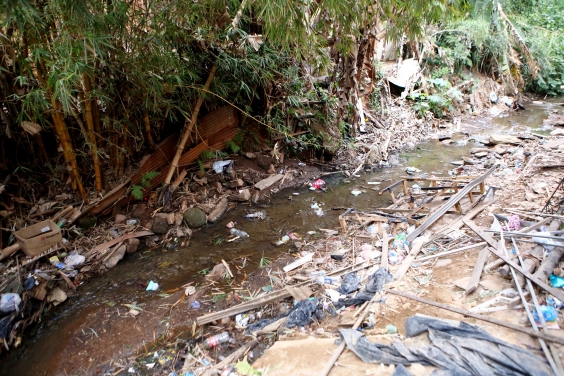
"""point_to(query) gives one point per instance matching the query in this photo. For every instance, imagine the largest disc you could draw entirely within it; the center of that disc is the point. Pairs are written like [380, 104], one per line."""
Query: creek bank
[517, 173]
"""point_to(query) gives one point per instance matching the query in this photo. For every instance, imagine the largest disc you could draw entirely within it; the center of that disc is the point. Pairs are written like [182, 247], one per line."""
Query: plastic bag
[10, 302]
[318, 184]
[220, 165]
[556, 281]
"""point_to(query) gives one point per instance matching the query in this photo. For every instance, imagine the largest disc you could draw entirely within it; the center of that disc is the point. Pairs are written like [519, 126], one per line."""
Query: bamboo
[188, 126]
[91, 133]
[68, 151]
[41, 147]
[148, 130]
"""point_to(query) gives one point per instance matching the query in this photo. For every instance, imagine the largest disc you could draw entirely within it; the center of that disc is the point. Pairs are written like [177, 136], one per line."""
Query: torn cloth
[461, 349]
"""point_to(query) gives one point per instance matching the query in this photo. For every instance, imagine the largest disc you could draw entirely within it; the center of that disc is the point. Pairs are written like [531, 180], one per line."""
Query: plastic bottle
[317, 273]
[239, 233]
[216, 340]
[328, 280]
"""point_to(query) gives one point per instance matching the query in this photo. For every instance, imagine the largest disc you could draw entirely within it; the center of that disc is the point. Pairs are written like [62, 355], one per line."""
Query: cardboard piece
[36, 239]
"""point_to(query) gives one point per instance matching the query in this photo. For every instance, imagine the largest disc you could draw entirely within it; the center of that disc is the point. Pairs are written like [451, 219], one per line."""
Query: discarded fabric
[462, 349]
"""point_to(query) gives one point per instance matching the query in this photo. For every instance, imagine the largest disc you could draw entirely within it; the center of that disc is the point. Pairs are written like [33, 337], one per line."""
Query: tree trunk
[91, 133]
[68, 152]
[188, 126]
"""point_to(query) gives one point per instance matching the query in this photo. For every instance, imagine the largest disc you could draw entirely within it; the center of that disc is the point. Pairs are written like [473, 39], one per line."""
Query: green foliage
[137, 190]
[439, 101]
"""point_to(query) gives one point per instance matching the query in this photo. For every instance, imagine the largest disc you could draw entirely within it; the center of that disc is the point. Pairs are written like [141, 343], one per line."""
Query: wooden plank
[108, 244]
[299, 292]
[416, 246]
[384, 257]
[487, 237]
[449, 204]
[265, 183]
[491, 320]
[446, 253]
[477, 272]
[536, 225]
[558, 293]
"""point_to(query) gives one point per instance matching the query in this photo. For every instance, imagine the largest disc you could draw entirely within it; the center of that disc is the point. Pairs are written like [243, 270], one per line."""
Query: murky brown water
[171, 269]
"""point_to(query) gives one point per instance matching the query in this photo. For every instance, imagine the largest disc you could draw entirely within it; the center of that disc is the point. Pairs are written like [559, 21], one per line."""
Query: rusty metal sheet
[219, 141]
[215, 122]
[192, 154]
[163, 154]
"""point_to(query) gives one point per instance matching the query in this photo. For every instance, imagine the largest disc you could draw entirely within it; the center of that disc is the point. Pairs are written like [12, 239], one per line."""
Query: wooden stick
[416, 246]
[8, 251]
[487, 237]
[325, 371]
[384, 257]
[491, 320]
[556, 292]
[236, 355]
[477, 272]
[445, 253]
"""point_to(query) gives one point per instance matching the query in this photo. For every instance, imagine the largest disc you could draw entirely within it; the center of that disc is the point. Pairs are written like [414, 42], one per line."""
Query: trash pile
[382, 263]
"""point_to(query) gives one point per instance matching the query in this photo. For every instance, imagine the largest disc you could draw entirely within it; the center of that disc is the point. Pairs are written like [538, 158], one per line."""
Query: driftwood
[549, 264]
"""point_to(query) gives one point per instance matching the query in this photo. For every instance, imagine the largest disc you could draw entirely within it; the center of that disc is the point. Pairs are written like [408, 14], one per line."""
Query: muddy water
[287, 212]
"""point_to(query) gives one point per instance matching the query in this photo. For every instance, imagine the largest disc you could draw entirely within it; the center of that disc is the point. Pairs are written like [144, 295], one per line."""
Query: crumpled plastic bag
[220, 165]
[304, 313]
[10, 302]
[377, 280]
[350, 283]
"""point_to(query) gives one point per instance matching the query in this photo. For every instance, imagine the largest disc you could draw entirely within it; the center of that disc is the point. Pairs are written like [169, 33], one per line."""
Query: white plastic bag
[10, 302]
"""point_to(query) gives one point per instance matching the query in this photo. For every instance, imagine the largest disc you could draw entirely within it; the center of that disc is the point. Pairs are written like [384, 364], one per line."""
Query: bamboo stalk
[91, 133]
[148, 130]
[68, 151]
[188, 126]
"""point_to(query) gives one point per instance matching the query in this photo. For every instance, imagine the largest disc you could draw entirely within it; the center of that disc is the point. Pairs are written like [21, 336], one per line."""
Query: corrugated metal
[192, 154]
[216, 128]
[216, 121]
[219, 141]
[163, 154]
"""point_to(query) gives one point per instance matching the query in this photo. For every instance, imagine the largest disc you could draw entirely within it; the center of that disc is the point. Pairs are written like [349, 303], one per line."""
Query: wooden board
[265, 183]
[484, 235]
[477, 272]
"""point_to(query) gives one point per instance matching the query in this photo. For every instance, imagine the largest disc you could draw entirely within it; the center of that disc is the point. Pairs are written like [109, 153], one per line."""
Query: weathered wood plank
[265, 183]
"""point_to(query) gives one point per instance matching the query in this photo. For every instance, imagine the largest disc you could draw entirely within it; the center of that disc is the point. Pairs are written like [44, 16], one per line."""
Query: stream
[289, 211]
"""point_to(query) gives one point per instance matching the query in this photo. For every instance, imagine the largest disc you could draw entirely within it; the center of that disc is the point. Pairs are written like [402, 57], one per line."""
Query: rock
[479, 150]
[250, 155]
[132, 245]
[219, 210]
[503, 139]
[241, 195]
[56, 296]
[443, 262]
[445, 136]
[446, 142]
[481, 154]
[457, 163]
[394, 160]
[489, 163]
[116, 256]
[412, 170]
[240, 182]
[499, 149]
[160, 225]
[170, 219]
[469, 161]
[530, 197]
[120, 218]
[298, 245]
[87, 221]
[139, 210]
[539, 187]
[178, 219]
[256, 197]
[195, 217]
[557, 132]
